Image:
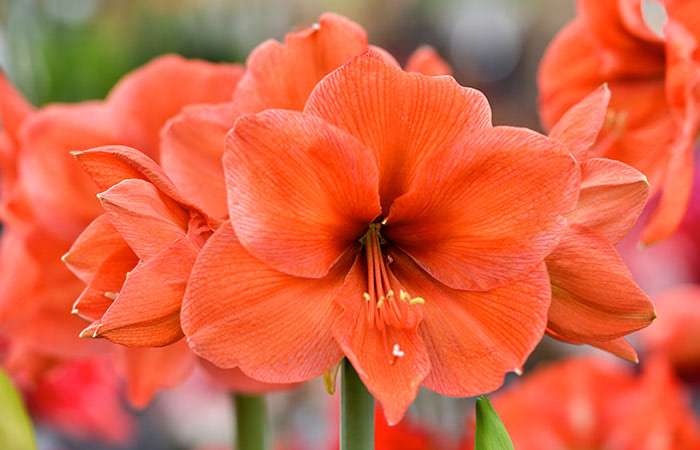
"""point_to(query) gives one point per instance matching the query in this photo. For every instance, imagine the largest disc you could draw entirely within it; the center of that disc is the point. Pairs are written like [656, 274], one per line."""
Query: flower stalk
[252, 427]
[356, 412]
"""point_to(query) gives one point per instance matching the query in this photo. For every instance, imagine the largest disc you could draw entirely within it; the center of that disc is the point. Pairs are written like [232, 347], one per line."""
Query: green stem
[356, 412]
[252, 429]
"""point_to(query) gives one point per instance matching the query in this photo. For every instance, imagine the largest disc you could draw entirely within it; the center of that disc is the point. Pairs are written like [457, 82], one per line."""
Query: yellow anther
[389, 294]
[384, 221]
[416, 301]
[366, 296]
[404, 296]
[380, 302]
[111, 295]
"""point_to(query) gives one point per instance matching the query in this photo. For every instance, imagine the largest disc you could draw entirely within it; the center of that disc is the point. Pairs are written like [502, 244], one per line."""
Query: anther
[111, 295]
[380, 302]
[384, 221]
[404, 296]
[397, 351]
[366, 296]
[416, 301]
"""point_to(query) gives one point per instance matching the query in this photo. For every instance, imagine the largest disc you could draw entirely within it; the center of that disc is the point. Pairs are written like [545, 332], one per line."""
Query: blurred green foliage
[15, 427]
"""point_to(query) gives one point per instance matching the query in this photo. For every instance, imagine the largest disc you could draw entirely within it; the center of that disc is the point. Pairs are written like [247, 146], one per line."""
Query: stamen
[384, 306]
[111, 295]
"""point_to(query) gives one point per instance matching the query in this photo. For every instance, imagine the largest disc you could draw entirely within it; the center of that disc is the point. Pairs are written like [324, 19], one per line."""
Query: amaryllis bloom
[595, 300]
[654, 79]
[278, 75]
[47, 199]
[593, 403]
[390, 223]
[135, 260]
[676, 336]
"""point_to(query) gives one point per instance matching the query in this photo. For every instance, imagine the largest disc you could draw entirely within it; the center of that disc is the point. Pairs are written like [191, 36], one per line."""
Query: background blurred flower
[595, 403]
[654, 80]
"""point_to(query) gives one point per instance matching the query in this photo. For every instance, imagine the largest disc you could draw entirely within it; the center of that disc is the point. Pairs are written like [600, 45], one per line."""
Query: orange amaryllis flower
[277, 76]
[135, 260]
[654, 79]
[389, 223]
[138, 255]
[594, 297]
[47, 199]
[593, 403]
[676, 336]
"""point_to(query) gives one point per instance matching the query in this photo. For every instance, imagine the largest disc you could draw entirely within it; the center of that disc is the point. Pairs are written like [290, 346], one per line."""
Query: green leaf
[15, 427]
[490, 432]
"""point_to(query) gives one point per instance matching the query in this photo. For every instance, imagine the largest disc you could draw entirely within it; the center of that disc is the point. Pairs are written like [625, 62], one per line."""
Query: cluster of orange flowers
[324, 203]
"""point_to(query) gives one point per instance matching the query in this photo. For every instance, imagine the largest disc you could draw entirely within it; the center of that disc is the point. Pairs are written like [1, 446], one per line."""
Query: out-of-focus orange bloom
[47, 199]
[277, 76]
[594, 403]
[372, 226]
[594, 297]
[654, 79]
[676, 336]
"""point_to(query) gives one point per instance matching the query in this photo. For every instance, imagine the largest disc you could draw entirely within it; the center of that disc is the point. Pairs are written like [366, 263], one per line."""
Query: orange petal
[146, 311]
[100, 258]
[109, 165]
[62, 195]
[393, 380]
[191, 148]
[239, 312]
[568, 71]
[580, 125]
[157, 91]
[474, 338]
[612, 197]
[593, 294]
[301, 191]
[425, 60]
[624, 54]
[618, 347]
[402, 117]
[148, 220]
[14, 108]
[452, 221]
[675, 193]
[283, 75]
[148, 370]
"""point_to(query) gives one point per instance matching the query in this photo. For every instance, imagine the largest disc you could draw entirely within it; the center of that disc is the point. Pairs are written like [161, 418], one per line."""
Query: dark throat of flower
[383, 306]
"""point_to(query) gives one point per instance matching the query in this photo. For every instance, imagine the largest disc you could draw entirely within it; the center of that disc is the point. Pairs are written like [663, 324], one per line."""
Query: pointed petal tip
[92, 331]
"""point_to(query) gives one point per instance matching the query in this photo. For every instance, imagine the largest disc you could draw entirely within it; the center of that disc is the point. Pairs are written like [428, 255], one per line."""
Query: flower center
[383, 306]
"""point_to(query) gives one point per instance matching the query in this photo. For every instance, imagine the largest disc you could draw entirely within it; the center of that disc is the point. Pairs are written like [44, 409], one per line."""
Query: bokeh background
[75, 50]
